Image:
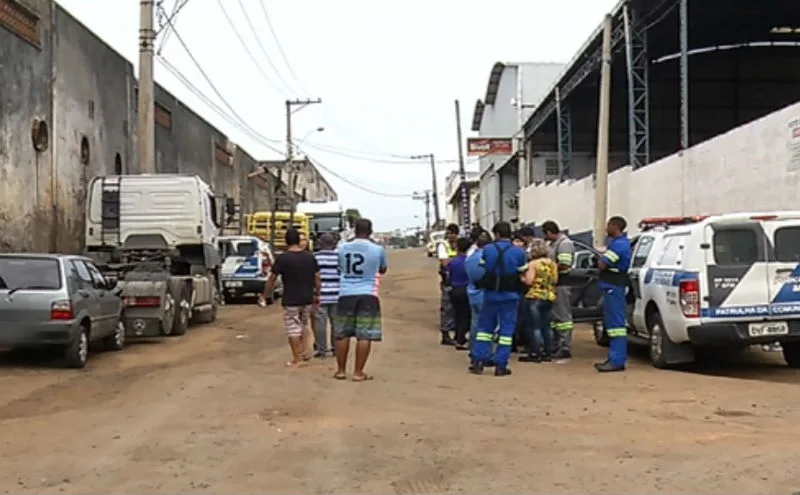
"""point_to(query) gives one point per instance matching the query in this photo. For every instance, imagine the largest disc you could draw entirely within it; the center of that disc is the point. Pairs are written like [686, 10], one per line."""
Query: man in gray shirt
[563, 253]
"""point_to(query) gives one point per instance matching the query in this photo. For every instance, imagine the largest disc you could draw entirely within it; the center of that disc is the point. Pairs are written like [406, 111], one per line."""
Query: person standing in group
[480, 238]
[301, 289]
[613, 281]
[361, 264]
[328, 262]
[445, 251]
[542, 276]
[503, 264]
[563, 251]
[522, 239]
[457, 282]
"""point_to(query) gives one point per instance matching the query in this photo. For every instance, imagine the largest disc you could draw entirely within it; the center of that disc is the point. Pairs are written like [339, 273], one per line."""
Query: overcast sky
[387, 73]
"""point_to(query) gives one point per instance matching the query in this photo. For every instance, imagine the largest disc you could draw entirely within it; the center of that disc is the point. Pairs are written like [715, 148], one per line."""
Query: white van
[246, 266]
[728, 280]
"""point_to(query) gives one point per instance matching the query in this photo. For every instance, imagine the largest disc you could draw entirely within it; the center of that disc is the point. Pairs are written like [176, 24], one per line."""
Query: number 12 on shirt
[352, 264]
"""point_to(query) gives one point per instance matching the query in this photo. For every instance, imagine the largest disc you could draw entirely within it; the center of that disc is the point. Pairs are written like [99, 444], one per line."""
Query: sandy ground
[215, 411]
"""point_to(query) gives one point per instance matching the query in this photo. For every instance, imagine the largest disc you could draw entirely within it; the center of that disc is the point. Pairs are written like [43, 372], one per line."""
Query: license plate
[233, 284]
[767, 329]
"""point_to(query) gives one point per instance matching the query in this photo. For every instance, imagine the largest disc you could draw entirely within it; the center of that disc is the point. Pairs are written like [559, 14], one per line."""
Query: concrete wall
[67, 77]
[92, 116]
[755, 167]
[26, 176]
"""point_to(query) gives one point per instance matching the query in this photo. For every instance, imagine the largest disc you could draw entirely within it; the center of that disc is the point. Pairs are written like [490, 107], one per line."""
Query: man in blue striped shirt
[325, 311]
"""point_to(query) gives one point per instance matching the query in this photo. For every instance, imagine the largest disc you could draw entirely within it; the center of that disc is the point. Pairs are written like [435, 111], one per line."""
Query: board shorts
[295, 319]
[359, 317]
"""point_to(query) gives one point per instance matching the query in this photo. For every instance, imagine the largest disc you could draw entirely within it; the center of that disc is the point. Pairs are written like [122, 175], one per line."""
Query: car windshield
[325, 224]
[245, 248]
[29, 273]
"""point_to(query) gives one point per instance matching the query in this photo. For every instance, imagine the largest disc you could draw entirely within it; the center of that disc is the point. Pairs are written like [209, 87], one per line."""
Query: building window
[20, 20]
[221, 155]
[162, 116]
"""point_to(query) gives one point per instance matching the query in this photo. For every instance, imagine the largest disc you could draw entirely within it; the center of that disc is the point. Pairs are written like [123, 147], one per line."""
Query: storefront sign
[490, 146]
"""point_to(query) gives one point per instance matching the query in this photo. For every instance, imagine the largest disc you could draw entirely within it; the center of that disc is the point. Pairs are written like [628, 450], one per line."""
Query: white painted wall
[755, 167]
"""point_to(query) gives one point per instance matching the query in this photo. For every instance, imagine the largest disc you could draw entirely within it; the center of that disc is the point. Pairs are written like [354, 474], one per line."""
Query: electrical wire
[263, 50]
[248, 51]
[350, 182]
[165, 21]
[280, 47]
[258, 137]
[208, 79]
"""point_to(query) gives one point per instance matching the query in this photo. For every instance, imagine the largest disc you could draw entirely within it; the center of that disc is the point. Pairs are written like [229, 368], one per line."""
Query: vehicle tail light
[689, 297]
[143, 302]
[62, 310]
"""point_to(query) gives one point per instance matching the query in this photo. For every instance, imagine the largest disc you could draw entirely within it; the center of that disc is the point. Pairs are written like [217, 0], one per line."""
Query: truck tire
[180, 320]
[77, 353]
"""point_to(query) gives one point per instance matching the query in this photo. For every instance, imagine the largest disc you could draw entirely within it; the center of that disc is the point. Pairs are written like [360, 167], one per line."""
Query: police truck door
[783, 270]
[736, 265]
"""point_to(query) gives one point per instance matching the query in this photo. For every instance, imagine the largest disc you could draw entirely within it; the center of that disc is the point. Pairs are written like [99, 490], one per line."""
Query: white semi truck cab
[157, 235]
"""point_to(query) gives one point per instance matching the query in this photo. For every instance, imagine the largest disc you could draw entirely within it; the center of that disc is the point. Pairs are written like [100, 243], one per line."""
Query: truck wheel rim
[655, 341]
[169, 313]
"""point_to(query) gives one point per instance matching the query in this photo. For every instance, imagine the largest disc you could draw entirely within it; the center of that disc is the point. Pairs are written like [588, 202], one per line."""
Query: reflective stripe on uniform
[617, 332]
[611, 255]
[505, 341]
[563, 326]
[523, 268]
[484, 337]
[564, 258]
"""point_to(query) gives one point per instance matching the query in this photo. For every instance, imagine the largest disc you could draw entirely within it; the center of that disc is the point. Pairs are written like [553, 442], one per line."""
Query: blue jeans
[538, 325]
[475, 308]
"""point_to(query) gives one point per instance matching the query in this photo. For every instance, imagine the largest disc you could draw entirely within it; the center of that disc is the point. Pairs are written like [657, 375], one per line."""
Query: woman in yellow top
[542, 277]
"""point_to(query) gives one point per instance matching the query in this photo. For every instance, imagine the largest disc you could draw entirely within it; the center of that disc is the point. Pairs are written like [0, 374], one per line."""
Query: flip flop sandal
[364, 378]
[340, 377]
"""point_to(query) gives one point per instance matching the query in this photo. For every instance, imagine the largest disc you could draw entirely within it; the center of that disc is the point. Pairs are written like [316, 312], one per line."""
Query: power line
[247, 50]
[263, 50]
[280, 47]
[208, 79]
[359, 186]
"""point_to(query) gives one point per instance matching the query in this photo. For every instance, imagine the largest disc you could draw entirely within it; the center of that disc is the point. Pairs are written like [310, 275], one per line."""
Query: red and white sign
[490, 146]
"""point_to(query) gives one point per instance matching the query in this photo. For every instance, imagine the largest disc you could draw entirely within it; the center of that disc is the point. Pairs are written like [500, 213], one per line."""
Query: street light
[302, 140]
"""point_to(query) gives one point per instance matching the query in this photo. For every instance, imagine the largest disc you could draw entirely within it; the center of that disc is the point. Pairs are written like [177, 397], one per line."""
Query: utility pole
[293, 106]
[146, 125]
[433, 193]
[462, 172]
[425, 197]
[601, 179]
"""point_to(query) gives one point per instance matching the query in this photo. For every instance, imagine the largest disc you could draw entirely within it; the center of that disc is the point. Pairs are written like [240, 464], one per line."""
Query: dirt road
[216, 412]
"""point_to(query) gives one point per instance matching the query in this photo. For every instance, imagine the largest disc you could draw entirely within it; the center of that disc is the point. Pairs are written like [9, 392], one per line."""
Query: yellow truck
[259, 224]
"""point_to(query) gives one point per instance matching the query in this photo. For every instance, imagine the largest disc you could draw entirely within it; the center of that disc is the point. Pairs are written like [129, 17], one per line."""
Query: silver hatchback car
[58, 300]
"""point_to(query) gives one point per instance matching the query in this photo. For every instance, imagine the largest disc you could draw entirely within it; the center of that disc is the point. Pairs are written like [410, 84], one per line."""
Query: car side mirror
[111, 283]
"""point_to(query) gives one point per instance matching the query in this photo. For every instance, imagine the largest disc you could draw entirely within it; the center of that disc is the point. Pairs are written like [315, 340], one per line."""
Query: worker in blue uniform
[503, 264]
[613, 281]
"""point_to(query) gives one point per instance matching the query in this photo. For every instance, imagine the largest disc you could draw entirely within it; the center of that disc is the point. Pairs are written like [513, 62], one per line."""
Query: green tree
[352, 215]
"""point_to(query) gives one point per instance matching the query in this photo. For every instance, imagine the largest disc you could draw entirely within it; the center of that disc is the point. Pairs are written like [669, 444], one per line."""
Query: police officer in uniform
[613, 281]
[445, 251]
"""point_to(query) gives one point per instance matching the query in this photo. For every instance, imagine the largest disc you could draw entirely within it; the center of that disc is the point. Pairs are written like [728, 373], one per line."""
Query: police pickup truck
[728, 280]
